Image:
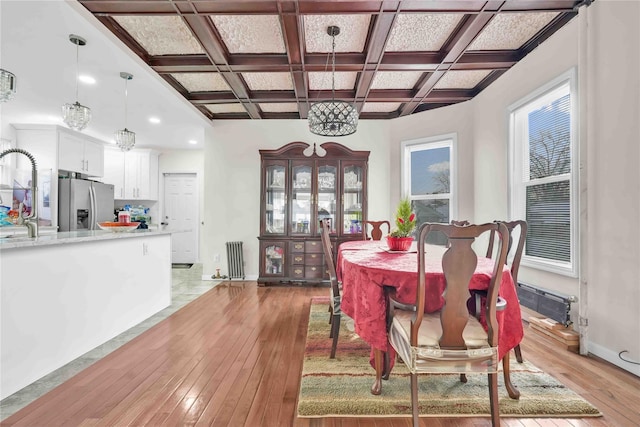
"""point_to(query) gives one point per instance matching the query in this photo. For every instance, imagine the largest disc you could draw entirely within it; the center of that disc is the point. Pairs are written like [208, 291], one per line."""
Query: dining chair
[376, 229]
[514, 267]
[460, 223]
[450, 340]
[335, 299]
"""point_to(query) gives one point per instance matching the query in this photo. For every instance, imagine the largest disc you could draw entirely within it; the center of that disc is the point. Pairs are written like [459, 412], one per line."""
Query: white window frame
[441, 141]
[518, 162]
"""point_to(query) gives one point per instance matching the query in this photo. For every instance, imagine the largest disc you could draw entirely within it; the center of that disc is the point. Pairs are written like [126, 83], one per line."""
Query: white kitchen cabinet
[114, 171]
[76, 153]
[63, 149]
[134, 174]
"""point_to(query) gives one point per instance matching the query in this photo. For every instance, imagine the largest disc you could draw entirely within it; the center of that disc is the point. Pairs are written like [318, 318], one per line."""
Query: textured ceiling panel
[421, 32]
[250, 33]
[461, 79]
[285, 107]
[268, 81]
[225, 108]
[352, 37]
[395, 79]
[161, 35]
[201, 82]
[270, 59]
[511, 30]
[380, 107]
[322, 80]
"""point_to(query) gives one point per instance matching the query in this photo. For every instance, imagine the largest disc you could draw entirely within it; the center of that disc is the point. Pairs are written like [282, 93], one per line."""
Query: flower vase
[399, 243]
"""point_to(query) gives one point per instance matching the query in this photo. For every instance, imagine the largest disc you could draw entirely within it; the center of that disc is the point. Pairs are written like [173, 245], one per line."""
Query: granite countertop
[72, 237]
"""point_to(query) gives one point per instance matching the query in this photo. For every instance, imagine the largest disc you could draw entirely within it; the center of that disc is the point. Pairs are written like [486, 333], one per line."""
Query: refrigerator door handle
[92, 208]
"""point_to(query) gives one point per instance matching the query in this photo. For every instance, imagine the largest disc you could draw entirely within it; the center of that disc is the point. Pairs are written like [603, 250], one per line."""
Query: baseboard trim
[612, 357]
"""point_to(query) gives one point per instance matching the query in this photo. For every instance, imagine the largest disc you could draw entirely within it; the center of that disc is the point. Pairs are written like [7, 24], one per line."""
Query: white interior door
[181, 216]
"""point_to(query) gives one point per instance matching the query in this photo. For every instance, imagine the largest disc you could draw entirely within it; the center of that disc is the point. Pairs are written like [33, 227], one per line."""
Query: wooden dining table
[365, 266]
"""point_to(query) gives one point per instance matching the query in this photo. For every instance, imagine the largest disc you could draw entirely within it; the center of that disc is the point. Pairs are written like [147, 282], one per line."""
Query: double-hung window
[428, 177]
[543, 159]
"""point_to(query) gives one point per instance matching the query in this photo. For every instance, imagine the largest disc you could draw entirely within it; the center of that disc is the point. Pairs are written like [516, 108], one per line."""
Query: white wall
[232, 176]
[558, 54]
[456, 119]
[613, 274]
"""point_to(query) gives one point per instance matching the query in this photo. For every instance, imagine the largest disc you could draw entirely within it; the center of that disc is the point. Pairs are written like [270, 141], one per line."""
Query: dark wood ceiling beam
[292, 28]
[469, 29]
[201, 63]
[124, 36]
[449, 95]
[376, 43]
[342, 59]
[203, 29]
[130, 7]
[546, 32]
[211, 97]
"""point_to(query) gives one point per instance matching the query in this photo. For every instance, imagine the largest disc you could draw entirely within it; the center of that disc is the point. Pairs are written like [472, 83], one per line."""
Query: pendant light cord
[126, 97]
[333, 67]
[77, 67]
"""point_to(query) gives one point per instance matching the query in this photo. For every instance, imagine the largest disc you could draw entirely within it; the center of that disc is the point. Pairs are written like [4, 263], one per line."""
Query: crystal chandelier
[7, 85]
[76, 115]
[125, 139]
[333, 118]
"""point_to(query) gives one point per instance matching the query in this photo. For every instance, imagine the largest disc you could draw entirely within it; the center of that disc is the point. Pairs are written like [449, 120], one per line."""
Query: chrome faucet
[31, 220]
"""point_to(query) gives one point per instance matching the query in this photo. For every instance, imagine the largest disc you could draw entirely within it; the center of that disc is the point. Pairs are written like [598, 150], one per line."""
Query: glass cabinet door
[274, 258]
[275, 199]
[301, 198]
[327, 180]
[352, 201]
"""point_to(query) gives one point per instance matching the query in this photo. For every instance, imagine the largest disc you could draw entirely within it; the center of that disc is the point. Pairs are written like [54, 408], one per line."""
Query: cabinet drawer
[314, 271]
[297, 272]
[297, 259]
[313, 259]
[296, 247]
[313, 246]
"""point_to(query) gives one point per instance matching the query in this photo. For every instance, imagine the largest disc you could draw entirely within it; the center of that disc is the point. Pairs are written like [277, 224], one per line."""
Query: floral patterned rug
[340, 386]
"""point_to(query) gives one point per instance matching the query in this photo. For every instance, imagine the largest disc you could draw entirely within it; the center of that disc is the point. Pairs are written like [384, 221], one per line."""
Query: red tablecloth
[365, 266]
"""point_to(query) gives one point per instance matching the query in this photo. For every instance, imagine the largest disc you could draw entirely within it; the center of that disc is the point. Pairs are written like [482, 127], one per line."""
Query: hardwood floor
[233, 357]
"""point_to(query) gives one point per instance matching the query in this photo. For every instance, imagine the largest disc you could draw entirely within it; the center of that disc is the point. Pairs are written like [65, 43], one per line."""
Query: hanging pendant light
[125, 139]
[75, 115]
[333, 118]
[7, 85]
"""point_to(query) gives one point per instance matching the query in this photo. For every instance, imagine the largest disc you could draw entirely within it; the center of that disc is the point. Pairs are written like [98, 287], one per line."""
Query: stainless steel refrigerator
[83, 204]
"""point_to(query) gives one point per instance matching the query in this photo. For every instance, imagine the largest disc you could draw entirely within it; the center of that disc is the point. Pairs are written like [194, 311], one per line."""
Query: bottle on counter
[124, 216]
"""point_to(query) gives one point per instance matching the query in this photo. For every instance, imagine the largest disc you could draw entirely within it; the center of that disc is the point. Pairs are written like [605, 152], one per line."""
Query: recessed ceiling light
[154, 120]
[87, 79]
[193, 141]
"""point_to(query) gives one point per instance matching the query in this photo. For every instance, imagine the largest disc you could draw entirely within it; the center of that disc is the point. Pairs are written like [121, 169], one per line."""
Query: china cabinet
[301, 185]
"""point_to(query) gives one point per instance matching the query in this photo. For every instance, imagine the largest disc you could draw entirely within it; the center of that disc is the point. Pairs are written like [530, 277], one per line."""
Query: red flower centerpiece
[400, 238]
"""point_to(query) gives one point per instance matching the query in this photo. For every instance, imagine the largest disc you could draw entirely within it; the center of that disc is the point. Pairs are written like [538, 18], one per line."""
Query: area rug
[340, 386]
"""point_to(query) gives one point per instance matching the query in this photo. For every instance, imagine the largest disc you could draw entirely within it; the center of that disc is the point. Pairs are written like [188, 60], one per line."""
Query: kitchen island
[64, 294]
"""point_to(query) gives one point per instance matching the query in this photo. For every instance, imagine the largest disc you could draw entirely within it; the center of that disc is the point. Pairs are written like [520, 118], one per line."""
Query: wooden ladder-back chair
[450, 340]
[376, 229]
[335, 296]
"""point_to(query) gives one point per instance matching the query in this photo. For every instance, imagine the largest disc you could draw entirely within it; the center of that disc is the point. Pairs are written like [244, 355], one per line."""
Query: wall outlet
[216, 258]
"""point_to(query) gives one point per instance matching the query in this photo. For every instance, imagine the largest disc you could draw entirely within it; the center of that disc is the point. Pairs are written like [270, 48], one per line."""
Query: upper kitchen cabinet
[76, 153]
[62, 149]
[134, 174]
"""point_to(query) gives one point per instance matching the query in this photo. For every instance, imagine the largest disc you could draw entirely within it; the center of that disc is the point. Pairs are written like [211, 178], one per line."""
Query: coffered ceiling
[243, 59]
